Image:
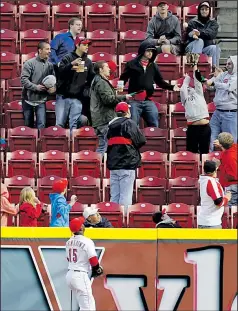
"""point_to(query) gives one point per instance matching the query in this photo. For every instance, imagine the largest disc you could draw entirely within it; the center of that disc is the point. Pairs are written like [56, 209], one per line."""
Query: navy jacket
[61, 45]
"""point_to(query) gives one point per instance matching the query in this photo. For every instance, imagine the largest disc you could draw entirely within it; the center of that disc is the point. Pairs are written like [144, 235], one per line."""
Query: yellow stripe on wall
[121, 234]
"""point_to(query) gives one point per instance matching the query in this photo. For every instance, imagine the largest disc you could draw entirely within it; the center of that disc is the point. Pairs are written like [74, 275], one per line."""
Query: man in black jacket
[75, 75]
[162, 220]
[94, 220]
[142, 73]
[123, 155]
[201, 34]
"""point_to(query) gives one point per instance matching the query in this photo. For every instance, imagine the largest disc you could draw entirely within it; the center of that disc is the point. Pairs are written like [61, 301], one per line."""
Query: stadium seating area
[168, 177]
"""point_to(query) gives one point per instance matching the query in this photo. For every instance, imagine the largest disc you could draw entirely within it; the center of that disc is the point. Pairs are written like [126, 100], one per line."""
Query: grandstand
[168, 177]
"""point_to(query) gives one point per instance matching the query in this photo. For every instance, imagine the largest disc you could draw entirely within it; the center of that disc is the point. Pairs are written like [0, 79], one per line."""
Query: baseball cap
[89, 211]
[49, 81]
[209, 167]
[122, 107]
[60, 185]
[205, 4]
[81, 40]
[162, 2]
[75, 224]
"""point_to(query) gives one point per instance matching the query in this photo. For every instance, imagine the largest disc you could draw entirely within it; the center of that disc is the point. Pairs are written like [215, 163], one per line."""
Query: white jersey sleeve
[91, 249]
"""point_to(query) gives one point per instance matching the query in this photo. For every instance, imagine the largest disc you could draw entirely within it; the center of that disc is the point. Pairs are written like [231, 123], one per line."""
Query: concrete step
[227, 4]
[227, 16]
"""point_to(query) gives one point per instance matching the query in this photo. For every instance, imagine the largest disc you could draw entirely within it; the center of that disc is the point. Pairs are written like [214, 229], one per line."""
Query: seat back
[112, 211]
[86, 163]
[130, 41]
[50, 113]
[8, 40]
[54, 138]
[152, 190]
[169, 66]
[9, 65]
[184, 163]
[84, 138]
[30, 38]
[22, 138]
[14, 114]
[8, 12]
[19, 162]
[133, 16]
[178, 139]
[34, 15]
[86, 188]
[182, 213]
[103, 41]
[44, 187]
[153, 163]
[14, 88]
[62, 12]
[140, 215]
[55, 163]
[100, 16]
[15, 185]
[157, 139]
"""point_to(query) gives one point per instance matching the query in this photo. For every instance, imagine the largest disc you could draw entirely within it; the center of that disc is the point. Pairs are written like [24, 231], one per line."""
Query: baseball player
[82, 258]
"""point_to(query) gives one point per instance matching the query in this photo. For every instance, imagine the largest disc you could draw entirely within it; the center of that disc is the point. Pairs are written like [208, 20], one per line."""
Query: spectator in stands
[228, 165]
[213, 198]
[198, 133]
[224, 119]
[142, 73]
[164, 30]
[7, 208]
[123, 155]
[59, 207]
[63, 43]
[30, 208]
[35, 94]
[201, 34]
[162, 220]
[75, 76]
[94, 220]
[103, 102]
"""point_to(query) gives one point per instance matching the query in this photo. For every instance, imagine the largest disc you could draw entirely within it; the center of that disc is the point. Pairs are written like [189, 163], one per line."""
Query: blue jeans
[67, 107]
[121, 186]
[147, 110]
[210, 227]
[28, 111]
[197, 46]
[222, 121]
[101, 132]
[234, 195]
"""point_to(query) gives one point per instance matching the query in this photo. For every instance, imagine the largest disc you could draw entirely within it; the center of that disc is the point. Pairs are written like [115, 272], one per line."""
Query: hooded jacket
[208, 28]
[29, 214]
[6, 207]
[140, 79]
[124, 155]
[71, 84]
[226, 88]
[59, 210]
[103, 100]
[169, 27]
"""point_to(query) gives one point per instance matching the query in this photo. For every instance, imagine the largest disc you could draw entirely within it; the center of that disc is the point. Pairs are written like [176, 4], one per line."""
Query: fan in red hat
[59, 207]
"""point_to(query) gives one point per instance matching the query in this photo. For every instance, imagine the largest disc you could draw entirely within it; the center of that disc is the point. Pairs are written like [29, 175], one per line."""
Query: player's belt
[78, 271]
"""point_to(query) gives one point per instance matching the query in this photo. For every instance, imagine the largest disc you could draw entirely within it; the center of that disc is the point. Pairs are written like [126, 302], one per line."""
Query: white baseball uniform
[79, 250]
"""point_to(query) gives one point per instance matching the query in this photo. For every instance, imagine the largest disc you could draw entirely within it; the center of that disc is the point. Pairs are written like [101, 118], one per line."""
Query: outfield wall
[145, 269]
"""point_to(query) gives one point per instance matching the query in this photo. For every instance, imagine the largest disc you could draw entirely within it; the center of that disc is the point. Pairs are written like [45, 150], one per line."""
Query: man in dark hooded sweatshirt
[201, 34]
[164, 30]
[142, 72]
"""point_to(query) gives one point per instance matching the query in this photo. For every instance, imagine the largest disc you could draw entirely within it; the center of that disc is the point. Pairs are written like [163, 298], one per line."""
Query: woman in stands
[30, 208]
[7, 208]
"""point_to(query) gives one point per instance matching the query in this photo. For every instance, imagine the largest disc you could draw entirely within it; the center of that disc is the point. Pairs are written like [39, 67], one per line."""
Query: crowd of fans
[84, 95]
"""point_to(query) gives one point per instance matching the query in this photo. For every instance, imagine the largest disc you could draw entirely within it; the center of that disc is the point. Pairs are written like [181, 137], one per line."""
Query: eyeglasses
[229, 64]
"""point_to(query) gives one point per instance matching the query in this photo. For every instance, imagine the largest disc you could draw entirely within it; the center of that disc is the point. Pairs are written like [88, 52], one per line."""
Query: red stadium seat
[28, 56]
[123, 59]
[2, 92]
[155, 2]
[44, 187]
[43, 220]
[183, 190]
[86, 163]
[124, 2]
[162, 108]
[103, 41]
[14, 114]
[9, 40]
[34, 15]
[131, 40]
[234, 217]
[56, 2]
[133, 16]
[183, 163]
[175, 9]
[9, 63]
[106, 189]
[50, 113]
[84, 138]
[114, 84]
[157, 139]
[14, 89]
[54, 138]
[211, 108]
[152, 190]
[204, 65]
[86, 188]
[169, 66]
[177, 116]
[178, 139]
[100, 16]
[153, 163]
[140, 215]
[182, 213]
[8, 13]
[210, 156]
[174, 96]
[112, 211]
[55, 163]
[61, 13]
[76, 210]
[15, 185]
[190, 10]
[226, 218]
[99, 56]
[21, 162]
[22, 138]
[29, 39]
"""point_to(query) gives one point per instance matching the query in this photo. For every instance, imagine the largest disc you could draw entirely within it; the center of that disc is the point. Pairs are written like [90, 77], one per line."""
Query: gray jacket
[33, 72]
[169, 27]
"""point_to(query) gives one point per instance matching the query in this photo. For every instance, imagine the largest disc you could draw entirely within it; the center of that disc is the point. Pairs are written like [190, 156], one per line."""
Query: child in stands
[30, 208]
[59, 207]
[7, 208]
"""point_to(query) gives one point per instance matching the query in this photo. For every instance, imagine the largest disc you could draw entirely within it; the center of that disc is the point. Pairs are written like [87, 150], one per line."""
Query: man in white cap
[94, 220]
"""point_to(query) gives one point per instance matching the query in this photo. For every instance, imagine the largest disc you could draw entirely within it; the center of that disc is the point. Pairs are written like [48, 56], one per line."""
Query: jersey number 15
[73, 255]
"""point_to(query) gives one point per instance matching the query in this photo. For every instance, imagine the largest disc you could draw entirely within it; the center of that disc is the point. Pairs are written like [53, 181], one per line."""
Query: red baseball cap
[75, 224]
[81, 40]
[60, 185]
[122, 107]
